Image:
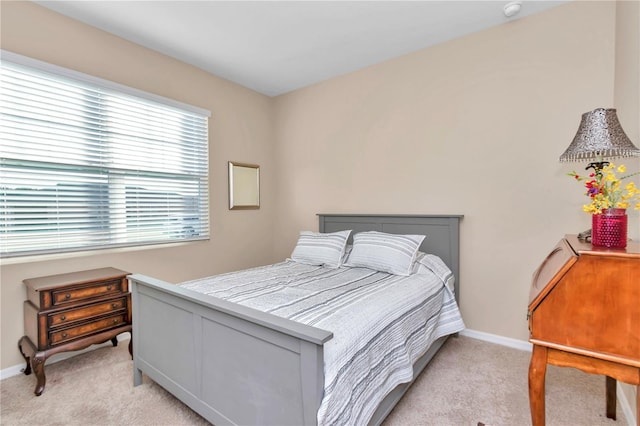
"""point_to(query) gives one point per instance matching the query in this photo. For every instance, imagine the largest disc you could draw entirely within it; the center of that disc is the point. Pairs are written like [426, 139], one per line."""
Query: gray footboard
[229, 363]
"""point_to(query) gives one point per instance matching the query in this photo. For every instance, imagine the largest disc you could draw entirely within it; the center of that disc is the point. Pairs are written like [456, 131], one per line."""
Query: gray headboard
[442, 232]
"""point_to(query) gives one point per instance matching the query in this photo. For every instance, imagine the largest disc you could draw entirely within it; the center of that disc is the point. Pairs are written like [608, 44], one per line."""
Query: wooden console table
[69, 312]
[584, 312]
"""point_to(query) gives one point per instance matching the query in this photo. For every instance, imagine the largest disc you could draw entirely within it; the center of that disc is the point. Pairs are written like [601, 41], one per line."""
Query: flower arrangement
[606, 191]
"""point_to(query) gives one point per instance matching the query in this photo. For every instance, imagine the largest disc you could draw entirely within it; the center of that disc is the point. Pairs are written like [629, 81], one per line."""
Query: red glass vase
[609, 229]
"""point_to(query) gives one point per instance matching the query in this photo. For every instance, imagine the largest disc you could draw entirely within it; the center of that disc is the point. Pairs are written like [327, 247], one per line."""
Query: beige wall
[627, 101]
[474, 126]
[241, 129]
[627, 86]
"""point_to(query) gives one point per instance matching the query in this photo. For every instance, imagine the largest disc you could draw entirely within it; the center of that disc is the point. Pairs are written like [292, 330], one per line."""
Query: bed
[234, 364]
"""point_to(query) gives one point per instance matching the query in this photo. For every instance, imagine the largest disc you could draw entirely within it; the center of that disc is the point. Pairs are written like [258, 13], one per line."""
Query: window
[88, 164]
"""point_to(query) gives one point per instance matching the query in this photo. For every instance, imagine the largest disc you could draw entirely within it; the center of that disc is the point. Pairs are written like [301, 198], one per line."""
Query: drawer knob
[109, 287]
[63, 317]
[67, 296]
[115, 321]
[64, 335]
[114, 305]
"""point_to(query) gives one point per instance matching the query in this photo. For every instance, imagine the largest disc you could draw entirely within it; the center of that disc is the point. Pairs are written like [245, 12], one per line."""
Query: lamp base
[597, 165]
[585, 236]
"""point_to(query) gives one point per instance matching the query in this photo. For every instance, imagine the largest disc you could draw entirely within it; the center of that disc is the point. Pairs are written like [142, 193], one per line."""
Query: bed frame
[236, 365]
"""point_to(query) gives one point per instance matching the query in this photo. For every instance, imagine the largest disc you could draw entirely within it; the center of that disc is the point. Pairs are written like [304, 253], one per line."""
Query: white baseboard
[500, 340]
[11, 371]
[526, 346]
[19, 369]
[626, 406]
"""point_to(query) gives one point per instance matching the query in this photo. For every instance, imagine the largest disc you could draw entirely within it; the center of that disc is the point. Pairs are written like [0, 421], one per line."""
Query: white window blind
[89, 164]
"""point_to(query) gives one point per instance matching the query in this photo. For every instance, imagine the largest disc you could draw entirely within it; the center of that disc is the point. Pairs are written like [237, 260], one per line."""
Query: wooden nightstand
[69, 312]
[584, 312]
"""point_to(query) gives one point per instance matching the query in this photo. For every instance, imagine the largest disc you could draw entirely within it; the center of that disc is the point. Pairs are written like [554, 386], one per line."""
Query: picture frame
[244, 186]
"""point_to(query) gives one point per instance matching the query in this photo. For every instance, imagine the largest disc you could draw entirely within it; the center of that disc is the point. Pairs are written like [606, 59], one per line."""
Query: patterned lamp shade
[599, 136]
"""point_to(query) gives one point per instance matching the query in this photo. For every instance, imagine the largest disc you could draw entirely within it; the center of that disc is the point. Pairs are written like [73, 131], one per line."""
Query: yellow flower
[604, 189]
[631, 189]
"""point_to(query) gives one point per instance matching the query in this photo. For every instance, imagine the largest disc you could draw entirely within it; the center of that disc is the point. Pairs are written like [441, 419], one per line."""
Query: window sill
[75, 254]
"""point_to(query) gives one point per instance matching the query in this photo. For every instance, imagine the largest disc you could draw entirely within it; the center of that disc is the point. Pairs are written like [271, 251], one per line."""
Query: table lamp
[599, 136]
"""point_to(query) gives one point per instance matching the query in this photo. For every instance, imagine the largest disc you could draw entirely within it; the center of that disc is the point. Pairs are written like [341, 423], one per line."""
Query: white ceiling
[275, 47]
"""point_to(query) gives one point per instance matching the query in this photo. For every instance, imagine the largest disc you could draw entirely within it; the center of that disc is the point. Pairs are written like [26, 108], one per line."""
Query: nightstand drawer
[60, 290]
[88, 311]
[71, 333]
[102, 288]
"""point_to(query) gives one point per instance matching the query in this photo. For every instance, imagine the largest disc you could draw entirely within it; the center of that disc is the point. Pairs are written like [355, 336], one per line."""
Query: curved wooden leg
[537, 373]
[38, 367]
[114, 341]
[21, 342]
[131, 346]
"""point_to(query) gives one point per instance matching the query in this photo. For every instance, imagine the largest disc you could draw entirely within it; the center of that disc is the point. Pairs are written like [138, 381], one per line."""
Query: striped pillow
[314, 248]
[392, 253]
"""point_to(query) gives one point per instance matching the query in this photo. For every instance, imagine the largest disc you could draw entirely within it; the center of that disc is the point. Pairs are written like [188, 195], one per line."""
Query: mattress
[381, 323]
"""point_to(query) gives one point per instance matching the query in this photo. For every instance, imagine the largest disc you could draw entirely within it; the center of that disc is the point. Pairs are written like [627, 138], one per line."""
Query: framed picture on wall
[244, 186]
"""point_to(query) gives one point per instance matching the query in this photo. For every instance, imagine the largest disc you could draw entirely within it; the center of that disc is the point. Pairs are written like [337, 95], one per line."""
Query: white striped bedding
[381, 323]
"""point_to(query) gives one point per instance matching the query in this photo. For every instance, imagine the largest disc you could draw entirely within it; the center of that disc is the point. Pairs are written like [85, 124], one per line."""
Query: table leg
[21, 342]
[37, 363]
[537, 373]
[131, 346]
[612, 398]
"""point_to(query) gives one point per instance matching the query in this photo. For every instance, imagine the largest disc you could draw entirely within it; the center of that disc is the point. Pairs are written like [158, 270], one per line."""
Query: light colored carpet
[484, 382]
[469, 381]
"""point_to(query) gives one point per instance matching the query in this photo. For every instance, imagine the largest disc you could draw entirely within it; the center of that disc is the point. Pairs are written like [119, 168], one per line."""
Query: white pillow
[392, 253]
[315, 248]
